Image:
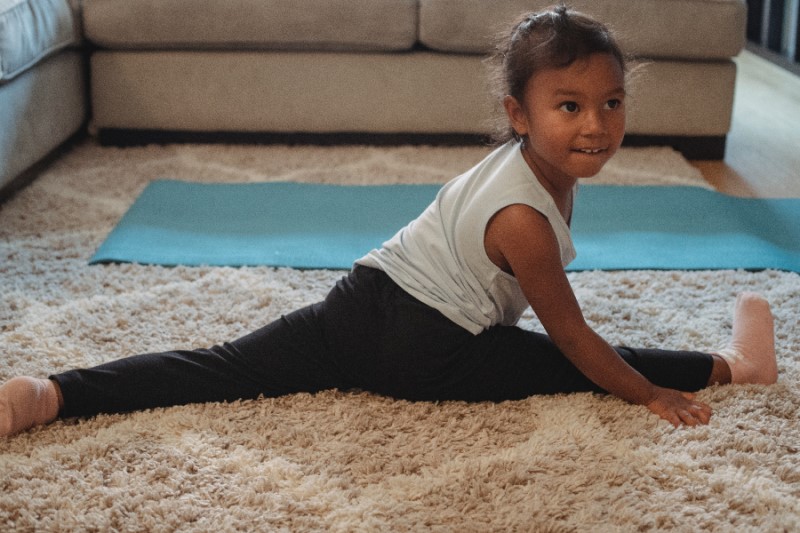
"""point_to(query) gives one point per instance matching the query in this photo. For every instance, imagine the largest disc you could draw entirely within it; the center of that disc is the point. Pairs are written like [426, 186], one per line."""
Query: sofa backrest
[318, 25]
[674, 29]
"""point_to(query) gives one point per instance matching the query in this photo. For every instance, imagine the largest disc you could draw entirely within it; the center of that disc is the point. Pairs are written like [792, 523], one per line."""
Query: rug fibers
[348, 461]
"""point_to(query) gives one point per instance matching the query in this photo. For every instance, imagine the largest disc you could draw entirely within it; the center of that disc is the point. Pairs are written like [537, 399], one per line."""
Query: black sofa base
[692, 147]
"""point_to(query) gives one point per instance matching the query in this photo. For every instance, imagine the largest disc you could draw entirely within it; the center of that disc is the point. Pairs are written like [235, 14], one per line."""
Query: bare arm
[521, 241]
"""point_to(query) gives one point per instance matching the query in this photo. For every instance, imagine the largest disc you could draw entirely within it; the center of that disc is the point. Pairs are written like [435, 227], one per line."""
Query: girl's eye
[614, 104]
[569, 107]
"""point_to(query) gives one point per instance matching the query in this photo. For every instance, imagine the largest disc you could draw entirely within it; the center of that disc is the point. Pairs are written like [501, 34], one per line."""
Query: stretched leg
[319, 347]
[510, 363]
[290, 355]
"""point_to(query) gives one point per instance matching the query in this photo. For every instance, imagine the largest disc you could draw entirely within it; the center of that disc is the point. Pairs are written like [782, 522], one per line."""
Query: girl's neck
[560, 189]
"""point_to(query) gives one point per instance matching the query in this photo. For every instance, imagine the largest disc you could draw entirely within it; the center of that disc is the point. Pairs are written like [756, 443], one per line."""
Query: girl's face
[572, 118]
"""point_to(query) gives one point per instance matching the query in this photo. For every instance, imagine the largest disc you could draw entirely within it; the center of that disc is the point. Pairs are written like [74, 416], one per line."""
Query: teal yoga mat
[329, 226]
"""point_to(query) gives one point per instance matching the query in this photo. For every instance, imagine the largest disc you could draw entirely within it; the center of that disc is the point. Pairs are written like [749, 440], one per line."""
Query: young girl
[430, 315]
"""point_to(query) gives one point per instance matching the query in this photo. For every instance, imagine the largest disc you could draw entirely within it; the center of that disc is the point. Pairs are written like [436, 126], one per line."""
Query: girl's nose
[594, 124]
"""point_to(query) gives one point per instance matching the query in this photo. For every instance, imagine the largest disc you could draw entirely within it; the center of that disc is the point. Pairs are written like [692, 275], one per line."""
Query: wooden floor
[763, 153]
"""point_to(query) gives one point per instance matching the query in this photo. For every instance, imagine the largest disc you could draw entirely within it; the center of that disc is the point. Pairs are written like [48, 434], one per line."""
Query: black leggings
[367, 334]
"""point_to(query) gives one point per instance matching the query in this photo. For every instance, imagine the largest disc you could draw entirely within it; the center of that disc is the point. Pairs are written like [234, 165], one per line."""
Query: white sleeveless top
[440, 257]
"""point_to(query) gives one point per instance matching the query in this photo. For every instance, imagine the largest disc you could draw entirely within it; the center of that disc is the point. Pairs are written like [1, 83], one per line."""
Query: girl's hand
[679, 408]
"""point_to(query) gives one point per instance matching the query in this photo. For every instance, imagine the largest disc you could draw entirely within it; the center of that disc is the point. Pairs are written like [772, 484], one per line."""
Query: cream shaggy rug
[357, 462]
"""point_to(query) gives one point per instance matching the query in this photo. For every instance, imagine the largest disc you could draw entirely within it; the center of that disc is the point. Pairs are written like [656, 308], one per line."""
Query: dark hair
[554, 38]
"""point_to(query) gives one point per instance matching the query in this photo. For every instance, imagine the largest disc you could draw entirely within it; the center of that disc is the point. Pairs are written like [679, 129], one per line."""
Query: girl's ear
[516, 115]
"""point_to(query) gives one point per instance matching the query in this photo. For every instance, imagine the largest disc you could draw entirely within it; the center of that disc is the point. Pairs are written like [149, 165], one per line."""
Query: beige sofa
[364, 70]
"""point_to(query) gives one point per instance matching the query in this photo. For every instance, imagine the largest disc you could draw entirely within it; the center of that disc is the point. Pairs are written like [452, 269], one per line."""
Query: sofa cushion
[342, 25]
[31, 30]
[678, 29]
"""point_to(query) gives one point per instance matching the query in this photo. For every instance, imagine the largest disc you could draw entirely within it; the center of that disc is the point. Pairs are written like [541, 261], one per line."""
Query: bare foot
[26, 402]
[751, 351]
